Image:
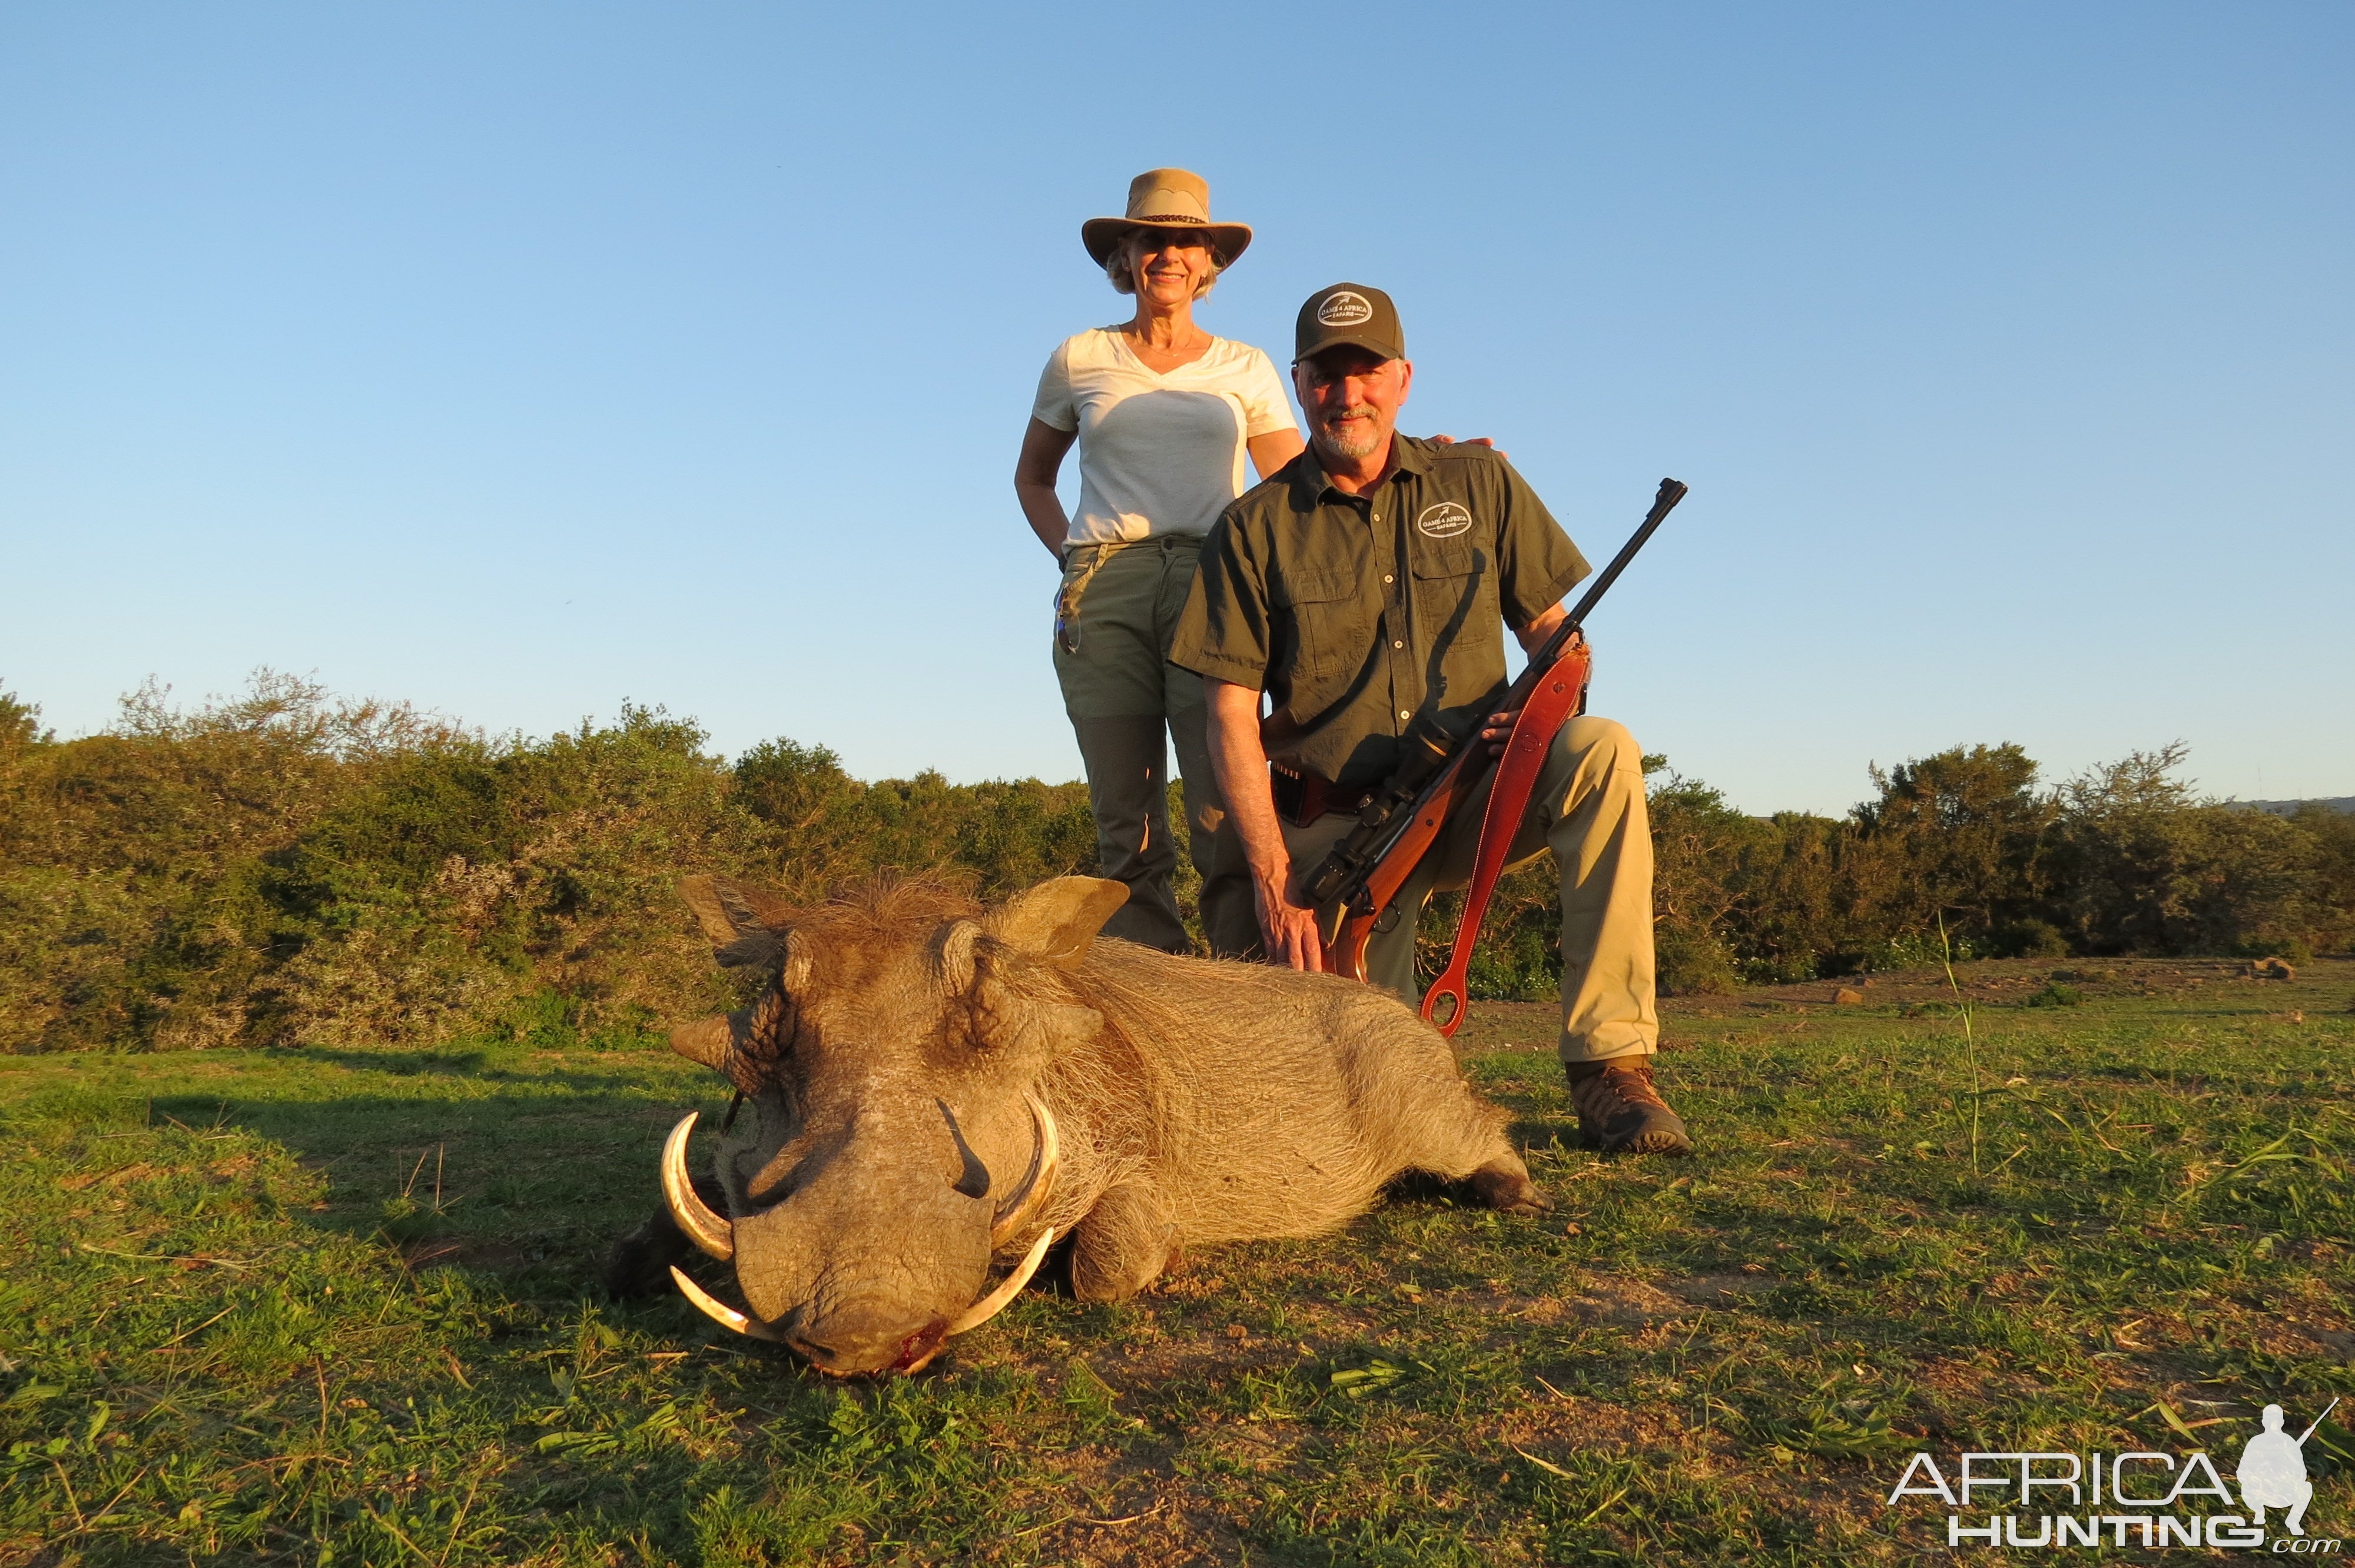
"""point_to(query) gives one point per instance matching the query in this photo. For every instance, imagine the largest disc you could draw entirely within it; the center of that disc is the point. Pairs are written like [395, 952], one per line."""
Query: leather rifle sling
[1549, 706]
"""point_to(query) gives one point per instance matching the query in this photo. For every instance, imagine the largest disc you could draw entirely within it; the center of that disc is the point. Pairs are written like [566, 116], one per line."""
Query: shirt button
[1398, 644]
[1403, 713]
[1387, 577]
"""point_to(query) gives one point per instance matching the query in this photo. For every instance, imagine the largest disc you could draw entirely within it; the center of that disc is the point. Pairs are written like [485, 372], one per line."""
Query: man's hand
[1240, 760]
[1498, 731]
[1289, 928]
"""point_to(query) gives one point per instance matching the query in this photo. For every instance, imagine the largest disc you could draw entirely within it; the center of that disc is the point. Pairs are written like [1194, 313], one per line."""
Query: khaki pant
[1122, 603]
[1588, 809]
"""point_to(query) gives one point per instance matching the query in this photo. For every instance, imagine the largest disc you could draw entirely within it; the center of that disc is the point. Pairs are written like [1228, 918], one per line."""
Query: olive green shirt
[1356, 613]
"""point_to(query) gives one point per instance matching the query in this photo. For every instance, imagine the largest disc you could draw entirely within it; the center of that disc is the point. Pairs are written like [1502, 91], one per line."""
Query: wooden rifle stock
[1363, 875]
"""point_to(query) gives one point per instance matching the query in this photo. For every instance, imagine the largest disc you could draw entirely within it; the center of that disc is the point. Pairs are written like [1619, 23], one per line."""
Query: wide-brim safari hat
[1165, 198]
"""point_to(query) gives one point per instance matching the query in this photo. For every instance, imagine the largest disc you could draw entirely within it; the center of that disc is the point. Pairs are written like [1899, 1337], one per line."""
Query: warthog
[932, 1091]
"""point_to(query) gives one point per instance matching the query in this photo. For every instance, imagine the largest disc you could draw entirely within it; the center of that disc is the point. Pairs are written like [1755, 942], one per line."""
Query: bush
[1960, 838]
[2030, 940]
[284, 867]
[1696, 836]
[1693, 963]
[1960, 848]
[2143, 867]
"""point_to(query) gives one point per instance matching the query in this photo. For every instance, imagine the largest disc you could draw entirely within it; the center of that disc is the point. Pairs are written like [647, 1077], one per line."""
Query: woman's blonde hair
[1120, 266]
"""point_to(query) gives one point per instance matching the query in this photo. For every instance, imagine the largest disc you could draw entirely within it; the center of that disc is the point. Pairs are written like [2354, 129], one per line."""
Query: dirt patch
[1721, 1289]
[1180, 1528]
[486, 1257]
[117, 1178]
[1569, 1420]
[2283, 1337]
[1630, 1303]
[1125, 1507]
[1540, 1310]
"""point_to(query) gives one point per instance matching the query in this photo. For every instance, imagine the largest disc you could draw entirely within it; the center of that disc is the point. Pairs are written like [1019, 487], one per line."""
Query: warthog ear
[953, 951]
[742, 921]
[707, 1039]
[1057, 920]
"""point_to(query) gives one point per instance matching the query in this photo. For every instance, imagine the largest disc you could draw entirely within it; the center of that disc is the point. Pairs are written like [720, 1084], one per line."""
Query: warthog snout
[870, 1335]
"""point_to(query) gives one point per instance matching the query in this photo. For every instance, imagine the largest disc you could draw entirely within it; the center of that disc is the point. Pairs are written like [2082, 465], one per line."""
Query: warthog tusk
[991, 1305]
[704, 1228]
[1037, 1182]
[722, 1314]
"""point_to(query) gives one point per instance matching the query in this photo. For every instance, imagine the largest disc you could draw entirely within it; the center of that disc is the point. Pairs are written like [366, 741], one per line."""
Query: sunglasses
[1163, 238]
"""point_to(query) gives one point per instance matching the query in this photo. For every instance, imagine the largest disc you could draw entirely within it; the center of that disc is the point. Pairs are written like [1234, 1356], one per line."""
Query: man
[2273, 1473]
[1363, 585]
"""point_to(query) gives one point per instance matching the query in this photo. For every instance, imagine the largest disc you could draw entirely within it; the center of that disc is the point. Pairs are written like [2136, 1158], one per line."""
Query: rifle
[1441, 771]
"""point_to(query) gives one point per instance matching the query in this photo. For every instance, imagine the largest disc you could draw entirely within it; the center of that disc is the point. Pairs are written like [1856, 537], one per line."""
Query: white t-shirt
[1158, 454]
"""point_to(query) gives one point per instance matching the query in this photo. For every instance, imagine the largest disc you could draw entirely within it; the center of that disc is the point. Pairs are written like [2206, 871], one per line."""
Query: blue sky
[520, 360]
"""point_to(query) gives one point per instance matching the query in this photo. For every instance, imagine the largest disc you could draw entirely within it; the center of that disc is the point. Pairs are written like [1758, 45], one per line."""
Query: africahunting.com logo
[2139, 1499]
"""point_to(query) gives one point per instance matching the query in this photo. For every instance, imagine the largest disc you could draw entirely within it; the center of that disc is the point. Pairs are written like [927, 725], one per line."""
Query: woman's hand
[1043, 446]
[1473, 442]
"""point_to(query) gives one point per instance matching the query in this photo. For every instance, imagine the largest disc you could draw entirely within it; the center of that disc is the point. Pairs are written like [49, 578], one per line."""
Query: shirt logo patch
[1444, 521]
[1345, 309]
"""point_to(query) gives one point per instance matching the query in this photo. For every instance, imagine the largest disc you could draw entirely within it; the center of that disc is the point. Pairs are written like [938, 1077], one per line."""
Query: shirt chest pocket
[1331, 621]
[1455, 594]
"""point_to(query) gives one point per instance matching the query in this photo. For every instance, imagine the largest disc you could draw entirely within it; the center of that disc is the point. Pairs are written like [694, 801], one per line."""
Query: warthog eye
[974, 1181]
[765, 1042]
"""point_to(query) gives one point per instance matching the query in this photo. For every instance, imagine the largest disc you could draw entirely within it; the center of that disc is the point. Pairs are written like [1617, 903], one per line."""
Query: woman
[1163, 414]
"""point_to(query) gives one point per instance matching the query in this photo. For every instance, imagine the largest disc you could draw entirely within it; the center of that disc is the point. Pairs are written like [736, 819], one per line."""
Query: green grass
[330, 1307]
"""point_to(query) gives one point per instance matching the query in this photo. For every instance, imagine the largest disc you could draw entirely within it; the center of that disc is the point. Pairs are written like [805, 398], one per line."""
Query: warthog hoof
[1510, 1189]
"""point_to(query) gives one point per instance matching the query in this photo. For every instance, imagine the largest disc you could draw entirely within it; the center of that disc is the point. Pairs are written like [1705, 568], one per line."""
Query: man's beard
[1349, 440]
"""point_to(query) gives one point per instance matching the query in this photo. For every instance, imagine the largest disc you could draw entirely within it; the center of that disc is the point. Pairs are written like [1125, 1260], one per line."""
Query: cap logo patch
[1345, 310]
[1444, 521]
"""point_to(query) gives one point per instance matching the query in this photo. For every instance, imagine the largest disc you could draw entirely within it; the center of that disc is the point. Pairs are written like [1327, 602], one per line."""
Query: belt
[1301, 798]
[1068, 594]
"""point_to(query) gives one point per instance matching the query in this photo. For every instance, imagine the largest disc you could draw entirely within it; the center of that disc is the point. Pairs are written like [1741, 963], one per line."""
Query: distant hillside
[2289, 808]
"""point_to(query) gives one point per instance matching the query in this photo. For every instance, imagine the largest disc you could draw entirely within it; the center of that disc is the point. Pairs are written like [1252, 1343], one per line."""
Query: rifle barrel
[1671, 492]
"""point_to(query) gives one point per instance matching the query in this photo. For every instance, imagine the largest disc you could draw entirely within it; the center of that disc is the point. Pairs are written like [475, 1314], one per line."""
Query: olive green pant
[1119, 604]
[1588, 809]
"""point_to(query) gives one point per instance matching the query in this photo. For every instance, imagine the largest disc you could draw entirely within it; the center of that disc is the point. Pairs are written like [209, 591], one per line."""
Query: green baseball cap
[1351, 313]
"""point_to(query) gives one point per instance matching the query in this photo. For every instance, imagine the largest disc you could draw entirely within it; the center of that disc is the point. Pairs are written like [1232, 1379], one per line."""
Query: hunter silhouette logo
[1345, 309]
[1444, 521]
[2273, 1471]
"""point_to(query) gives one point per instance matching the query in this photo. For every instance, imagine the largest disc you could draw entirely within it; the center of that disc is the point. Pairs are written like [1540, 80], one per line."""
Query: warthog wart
[934, 1091]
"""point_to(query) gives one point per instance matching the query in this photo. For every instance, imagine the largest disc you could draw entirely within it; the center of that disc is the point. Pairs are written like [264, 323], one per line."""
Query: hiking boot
[1619, 1111]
